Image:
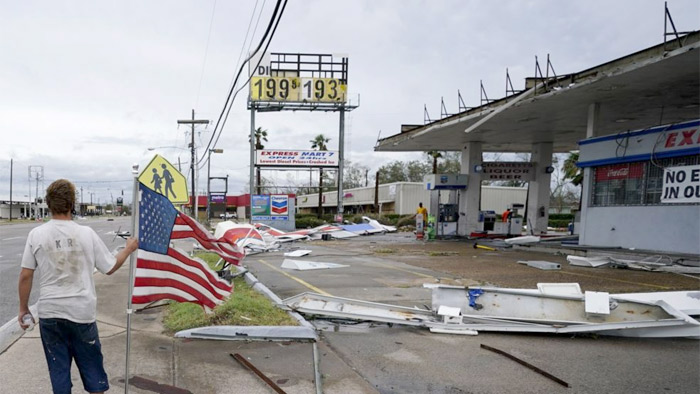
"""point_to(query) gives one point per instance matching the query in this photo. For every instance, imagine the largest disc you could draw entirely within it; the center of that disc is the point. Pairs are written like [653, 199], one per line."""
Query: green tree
[571, 170]
[451, 163]
[319, 143]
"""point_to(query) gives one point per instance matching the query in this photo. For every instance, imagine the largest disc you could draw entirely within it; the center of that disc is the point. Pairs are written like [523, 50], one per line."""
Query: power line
[229, 100]
[250, 76]
[206, 51]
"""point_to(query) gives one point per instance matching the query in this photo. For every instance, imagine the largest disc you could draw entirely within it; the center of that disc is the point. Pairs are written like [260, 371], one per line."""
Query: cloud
[88, 87]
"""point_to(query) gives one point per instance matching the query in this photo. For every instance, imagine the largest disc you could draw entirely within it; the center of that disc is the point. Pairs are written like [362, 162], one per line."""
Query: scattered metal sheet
[378, 225]
[257, 372]
[685, 301]
[594, 262]
[452, 331]
[559, 289]
[521, 362]
[250, 333]
[298, 253]
[525, 239]
[597, 302]
[362, 229]
[514, 310]
[301, 265]
[543, 265]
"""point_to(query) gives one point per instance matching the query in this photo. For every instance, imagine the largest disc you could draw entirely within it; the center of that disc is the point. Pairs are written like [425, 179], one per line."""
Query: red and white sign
[619, 171]
[296, 158]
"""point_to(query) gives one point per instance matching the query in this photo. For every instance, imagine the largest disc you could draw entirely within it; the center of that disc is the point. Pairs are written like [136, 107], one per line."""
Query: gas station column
[539, 190]
[469, 198]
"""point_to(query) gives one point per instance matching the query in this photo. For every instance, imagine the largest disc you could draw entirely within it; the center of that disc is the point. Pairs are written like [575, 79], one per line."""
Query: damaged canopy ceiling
[654, 86]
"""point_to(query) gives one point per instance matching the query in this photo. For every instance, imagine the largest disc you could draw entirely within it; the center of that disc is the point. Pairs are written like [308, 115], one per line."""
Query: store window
[637, 183]
[618, 184]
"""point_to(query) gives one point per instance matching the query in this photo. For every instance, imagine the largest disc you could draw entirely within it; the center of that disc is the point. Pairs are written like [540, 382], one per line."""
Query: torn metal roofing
[646, 88]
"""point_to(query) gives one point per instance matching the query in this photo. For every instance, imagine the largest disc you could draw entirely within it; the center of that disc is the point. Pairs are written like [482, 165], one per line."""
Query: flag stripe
[195, 267]
[156, 270]
[178, 284]
[153, 297]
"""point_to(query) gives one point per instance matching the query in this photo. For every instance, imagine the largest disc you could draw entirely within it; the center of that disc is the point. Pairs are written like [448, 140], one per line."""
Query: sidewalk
[199, 366]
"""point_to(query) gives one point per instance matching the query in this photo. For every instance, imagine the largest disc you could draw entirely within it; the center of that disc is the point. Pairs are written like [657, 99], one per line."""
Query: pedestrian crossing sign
[161, 177]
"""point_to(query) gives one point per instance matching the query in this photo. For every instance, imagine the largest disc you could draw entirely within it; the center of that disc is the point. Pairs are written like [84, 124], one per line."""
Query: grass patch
[245, 307]
[384, 251]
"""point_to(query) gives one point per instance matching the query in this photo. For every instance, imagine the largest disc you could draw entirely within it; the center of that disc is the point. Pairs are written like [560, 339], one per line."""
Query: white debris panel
[557, 310]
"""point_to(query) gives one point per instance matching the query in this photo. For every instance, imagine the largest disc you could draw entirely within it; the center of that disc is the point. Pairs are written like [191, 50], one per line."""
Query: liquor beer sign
[681, 185]
[508, 170]
[296, 158]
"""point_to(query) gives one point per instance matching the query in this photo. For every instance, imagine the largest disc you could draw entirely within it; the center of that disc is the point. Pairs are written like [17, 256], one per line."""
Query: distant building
[402, 198]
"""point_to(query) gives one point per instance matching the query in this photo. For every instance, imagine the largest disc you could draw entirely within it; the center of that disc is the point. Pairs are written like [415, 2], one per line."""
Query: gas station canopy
[658, 85]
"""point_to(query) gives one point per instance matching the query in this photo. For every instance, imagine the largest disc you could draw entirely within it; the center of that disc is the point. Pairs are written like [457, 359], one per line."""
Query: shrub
[308, 221]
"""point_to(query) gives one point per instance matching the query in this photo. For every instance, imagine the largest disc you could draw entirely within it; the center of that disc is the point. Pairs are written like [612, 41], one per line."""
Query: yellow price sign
[275, 89]
[327, 90]
[161, 177]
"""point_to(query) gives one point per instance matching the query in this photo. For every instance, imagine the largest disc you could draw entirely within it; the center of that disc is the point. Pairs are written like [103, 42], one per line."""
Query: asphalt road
[12, 239]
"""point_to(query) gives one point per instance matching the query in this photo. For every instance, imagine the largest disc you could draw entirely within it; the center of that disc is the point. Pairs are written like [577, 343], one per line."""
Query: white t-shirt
[66, 255]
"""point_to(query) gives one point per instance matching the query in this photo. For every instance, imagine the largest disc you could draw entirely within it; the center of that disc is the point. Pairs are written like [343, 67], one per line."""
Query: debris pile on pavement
[656, 263]
[259, 238]
[557, 308]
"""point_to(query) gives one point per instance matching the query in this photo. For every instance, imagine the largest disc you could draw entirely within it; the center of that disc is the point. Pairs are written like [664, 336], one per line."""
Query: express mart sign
[296, 158]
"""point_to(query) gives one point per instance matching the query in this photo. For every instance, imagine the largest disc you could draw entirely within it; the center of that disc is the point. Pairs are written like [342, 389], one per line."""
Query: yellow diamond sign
[161, 177]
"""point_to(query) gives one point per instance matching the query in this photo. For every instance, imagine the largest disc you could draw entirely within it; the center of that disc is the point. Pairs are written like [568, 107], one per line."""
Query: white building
[629, 200]
[403, 197]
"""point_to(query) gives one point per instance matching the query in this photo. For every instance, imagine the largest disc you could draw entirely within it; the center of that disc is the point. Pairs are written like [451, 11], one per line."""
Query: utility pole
[11, 164]
[38, 175]
[209, 181]
[193, 162]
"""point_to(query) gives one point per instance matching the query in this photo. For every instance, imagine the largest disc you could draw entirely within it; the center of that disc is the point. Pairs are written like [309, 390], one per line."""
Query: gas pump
[513, 224]
[444, 201]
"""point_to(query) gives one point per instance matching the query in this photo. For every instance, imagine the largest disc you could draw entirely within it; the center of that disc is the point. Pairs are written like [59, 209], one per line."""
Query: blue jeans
[64, 341]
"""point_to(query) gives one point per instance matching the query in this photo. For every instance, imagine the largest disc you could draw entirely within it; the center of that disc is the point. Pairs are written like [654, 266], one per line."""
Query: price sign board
[275, 88]
[325, 90]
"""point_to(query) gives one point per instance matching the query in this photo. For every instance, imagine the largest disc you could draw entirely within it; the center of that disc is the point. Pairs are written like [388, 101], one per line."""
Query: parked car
[227, 215]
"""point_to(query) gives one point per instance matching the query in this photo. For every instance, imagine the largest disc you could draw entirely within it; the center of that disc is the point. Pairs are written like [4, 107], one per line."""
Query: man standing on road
[67, 254]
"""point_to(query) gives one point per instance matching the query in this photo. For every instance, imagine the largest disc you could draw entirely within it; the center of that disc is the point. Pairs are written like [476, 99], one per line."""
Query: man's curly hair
[60, 197]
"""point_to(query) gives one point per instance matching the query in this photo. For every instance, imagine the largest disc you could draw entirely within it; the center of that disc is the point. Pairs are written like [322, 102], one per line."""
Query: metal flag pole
[132, 265]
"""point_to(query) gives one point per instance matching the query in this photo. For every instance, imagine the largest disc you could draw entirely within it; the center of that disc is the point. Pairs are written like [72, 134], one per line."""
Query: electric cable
[229, 101]
[206, 51]
[250, 76]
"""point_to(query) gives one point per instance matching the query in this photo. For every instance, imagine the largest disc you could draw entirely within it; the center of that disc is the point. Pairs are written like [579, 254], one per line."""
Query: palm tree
[435, 155]
[319, 143]
[260, 135]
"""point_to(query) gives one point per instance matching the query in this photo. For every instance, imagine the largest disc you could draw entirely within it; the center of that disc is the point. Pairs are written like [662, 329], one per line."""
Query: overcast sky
[88, 86]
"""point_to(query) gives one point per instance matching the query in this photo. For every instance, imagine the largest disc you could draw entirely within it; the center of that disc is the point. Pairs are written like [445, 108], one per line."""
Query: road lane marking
[9, 239]
[404, 270]
[292, 277]
[617, 280]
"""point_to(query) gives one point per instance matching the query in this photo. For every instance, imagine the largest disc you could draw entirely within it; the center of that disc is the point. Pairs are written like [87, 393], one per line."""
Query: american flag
[163, 272]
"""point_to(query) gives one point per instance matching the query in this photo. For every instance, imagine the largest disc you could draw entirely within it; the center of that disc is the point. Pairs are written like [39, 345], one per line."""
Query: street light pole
[193, 163]
[209, 181]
